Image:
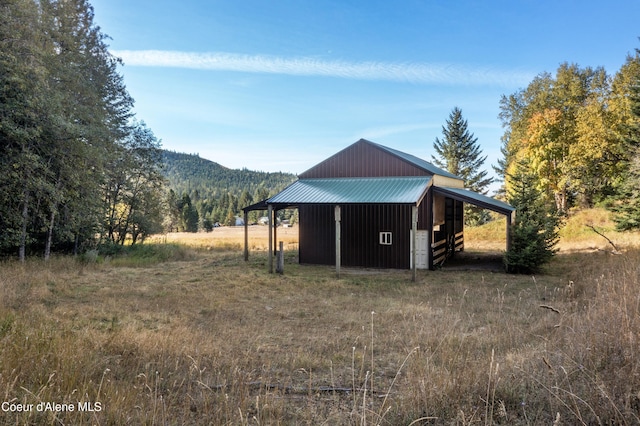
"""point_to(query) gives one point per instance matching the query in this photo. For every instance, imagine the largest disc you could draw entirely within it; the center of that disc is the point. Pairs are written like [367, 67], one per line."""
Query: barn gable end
[367, 159]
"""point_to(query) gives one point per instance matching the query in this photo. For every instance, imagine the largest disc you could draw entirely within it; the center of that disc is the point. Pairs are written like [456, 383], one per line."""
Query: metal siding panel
[361, 225]
[423, 213]
[317, 234]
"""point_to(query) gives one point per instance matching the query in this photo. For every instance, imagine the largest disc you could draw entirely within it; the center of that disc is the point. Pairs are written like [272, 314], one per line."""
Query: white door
[422, 249]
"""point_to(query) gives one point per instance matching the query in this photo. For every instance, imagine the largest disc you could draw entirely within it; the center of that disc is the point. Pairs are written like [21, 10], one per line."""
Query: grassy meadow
[183, 331]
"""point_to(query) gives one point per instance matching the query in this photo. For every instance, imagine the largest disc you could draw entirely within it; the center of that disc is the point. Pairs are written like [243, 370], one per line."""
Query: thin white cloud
[382, 132]
[418, 73]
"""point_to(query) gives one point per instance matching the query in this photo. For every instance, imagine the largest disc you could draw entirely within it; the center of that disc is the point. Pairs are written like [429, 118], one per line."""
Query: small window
[385, 238]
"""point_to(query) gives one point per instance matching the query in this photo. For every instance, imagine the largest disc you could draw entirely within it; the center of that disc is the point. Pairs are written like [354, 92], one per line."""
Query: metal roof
[476, 199]
[381, 190]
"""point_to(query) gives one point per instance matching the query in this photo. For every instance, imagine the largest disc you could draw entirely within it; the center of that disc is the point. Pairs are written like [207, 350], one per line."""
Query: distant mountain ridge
[206, 179]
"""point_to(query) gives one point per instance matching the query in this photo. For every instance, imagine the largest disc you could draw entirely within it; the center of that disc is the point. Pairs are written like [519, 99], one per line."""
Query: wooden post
[275, 230]
[511, 218]
[280, 258]
[246, 237]
[430, 206]
[414, 233]
[338, 219]
[270, 223]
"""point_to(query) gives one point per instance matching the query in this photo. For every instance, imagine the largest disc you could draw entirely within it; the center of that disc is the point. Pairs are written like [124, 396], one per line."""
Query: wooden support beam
[270, 224]
[338, 218]
[280, 257]
[510, 220]
[246, 236]
[414, 248]
[275, 231]
[431, 204]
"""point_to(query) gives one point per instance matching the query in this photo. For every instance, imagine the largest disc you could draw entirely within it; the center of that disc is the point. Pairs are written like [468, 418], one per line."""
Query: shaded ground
[475, 261]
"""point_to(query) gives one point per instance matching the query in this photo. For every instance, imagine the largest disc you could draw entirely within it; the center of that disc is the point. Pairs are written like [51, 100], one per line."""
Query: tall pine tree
[459, 153]
[627, 208]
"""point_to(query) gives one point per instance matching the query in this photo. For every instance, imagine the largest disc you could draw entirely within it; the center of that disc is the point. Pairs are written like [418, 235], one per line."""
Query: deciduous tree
[63, 107]
[134, 187]
[565, 126]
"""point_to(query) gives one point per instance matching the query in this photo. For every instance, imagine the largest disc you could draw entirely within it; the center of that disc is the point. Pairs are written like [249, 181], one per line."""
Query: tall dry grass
[232, 238]
[206, 338]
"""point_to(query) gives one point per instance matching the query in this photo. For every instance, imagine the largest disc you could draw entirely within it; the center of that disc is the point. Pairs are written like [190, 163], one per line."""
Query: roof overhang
[369, 190]
[260, 205]
[476, 199]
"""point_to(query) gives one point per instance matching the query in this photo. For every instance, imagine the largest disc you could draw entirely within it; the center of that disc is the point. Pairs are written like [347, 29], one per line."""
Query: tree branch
[615, 249]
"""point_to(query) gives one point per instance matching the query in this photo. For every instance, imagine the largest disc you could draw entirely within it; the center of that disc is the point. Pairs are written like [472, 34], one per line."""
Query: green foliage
[133, 191]
[627, 206]
[535, 232]
[188, 215]
[136, 255]
[571, 127]
[150, 254]
[72, 166]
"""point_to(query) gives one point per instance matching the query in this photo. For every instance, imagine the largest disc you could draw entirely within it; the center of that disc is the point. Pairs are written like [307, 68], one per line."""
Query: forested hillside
[217, 193]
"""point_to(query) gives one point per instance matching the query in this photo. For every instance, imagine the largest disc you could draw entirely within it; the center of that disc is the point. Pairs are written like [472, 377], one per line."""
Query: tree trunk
[76, 243]
[23, 231]
[561, 200]
[47, 247]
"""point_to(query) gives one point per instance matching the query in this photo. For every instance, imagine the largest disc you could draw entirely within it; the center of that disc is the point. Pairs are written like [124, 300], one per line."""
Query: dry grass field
[186, 332]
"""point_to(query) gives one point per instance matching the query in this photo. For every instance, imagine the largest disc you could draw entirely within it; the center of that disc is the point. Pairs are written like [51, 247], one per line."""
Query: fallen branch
[551, 308]
[615, 249]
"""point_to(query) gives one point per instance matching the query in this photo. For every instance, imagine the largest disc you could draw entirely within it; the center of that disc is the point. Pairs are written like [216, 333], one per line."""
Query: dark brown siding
[361, 227]
[423, 213]
[362, 159]
[360, 235]
[317, 234]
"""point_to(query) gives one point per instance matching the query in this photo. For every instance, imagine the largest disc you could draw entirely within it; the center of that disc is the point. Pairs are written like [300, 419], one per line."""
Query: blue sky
[282, 85]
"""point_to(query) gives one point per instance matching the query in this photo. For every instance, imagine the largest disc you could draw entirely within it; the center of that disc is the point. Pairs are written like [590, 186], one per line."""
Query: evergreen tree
[23, 99]
[172, 219]
[245, 199]
[230, 218]
[189, 216]
[535, 232]
[627, 209]
[628, 206]
[459, 153]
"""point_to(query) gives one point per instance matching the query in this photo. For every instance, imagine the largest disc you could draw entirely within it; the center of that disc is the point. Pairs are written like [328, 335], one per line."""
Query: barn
[373, 206]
